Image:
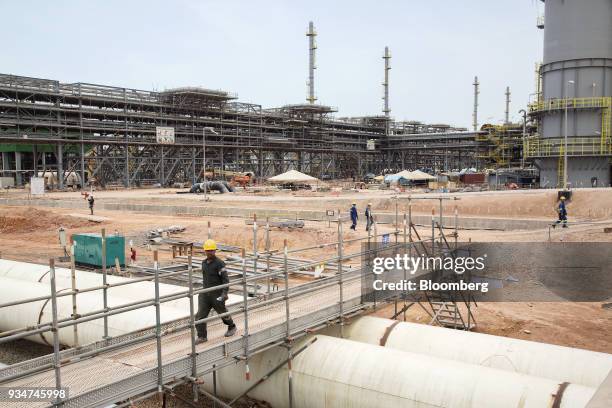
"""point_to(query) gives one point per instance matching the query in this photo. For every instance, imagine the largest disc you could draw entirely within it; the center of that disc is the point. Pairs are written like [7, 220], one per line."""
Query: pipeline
[210, 186]
[335, 372]
[30, 314]
[558, 363]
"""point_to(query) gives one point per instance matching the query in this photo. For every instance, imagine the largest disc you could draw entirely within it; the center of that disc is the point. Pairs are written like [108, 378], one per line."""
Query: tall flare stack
[312, 47]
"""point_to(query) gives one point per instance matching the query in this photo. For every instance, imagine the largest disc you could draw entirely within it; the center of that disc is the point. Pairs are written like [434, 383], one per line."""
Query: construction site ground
[30, 234]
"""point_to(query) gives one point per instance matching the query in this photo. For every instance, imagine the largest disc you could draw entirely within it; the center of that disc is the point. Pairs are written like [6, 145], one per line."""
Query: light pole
[524, 134]
[565, 141]
[204, 157]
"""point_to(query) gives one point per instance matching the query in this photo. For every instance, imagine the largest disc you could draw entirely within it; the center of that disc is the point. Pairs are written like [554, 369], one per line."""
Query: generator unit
[88, 249]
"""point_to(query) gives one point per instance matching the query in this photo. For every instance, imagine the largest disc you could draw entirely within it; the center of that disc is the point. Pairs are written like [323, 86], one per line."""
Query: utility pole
[312, 46]
[475, 114]
[204, 157]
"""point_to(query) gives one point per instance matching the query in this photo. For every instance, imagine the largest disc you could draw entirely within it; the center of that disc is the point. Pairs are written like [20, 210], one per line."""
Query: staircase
[446, 313]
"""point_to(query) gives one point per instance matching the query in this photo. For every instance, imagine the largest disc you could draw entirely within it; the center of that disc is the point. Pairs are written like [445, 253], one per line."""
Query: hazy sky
[258, 49]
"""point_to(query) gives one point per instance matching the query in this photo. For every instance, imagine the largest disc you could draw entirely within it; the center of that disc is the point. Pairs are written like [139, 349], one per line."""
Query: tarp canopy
[419, 175]
[293, 176]
[416, 175]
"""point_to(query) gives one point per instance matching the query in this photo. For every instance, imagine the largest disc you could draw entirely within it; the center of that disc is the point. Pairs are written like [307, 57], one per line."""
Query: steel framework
[108, 134]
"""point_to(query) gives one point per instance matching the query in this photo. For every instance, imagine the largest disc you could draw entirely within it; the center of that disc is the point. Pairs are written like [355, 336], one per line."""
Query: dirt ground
[588, 203]
[31, 234]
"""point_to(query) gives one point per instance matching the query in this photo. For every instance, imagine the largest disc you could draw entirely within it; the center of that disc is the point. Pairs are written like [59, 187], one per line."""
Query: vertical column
[507, 112]
[35, 159]
[312, 46]
[18, 178]
[6, 165]
[60, 166]
[386, 110]
[82, 146]
[475, 114]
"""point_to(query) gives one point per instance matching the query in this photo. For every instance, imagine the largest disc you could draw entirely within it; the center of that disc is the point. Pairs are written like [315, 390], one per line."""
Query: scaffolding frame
[342, 291]
[108, 134]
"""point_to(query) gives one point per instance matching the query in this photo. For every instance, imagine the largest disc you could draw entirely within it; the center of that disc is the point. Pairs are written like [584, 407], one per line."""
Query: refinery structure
[109, 134]
[184, 248]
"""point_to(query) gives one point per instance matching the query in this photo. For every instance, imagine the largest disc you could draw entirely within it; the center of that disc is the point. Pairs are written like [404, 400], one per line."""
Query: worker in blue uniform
[354, 216]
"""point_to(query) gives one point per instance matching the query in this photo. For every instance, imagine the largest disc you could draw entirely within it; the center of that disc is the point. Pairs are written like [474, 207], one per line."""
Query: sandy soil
[585, 204]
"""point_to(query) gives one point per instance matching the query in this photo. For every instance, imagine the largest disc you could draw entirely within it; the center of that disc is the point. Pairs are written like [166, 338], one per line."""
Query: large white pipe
[126, 293]
[30, 314]
[335, 372]
[557, 363]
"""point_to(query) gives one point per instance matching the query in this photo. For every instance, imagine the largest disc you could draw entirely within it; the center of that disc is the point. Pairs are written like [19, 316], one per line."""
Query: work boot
[201, 340]
[230, 331]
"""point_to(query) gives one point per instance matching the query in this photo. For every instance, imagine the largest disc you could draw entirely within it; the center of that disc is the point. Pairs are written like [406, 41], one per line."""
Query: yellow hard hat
[562, 197]
[210, 245]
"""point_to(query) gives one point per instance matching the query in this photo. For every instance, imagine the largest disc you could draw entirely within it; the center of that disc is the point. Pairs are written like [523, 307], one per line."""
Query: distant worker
[562, 210]
[369, 217]
[213, 274]
[354, 216]
[132, 255]
[90, 201]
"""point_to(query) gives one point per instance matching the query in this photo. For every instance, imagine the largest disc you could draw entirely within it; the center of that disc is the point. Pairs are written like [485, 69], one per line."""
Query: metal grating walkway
[132, 370]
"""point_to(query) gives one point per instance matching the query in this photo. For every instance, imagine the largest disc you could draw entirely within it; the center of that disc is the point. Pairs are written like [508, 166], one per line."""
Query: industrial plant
[181, 247]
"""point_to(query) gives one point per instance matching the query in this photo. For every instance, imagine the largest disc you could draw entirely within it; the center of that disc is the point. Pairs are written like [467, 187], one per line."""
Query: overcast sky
[258, 49]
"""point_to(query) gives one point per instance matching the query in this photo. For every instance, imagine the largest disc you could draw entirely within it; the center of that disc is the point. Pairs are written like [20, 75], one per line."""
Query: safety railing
[570, 103]
[535, 146]
[345, 275]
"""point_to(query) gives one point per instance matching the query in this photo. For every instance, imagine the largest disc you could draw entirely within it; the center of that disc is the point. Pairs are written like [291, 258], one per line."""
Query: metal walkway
[128, 371]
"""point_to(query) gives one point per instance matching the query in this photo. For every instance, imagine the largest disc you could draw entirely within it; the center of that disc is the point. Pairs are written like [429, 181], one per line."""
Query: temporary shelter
[293, 176]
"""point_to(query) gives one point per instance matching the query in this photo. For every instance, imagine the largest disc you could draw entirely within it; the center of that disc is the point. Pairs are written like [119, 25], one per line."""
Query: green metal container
[88, 249]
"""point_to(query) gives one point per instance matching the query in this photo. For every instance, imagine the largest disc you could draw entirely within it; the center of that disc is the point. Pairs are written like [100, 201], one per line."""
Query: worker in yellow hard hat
[213, 274]
[562, 211]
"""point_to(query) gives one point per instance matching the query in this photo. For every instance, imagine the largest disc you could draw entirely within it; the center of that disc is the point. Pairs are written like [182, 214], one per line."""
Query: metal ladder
[561, 169]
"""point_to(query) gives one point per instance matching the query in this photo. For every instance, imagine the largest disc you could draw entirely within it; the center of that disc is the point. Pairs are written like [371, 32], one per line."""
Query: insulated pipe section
[126, 293]
[558, 363]
[30, 314]
[334, 372]
[118, 295]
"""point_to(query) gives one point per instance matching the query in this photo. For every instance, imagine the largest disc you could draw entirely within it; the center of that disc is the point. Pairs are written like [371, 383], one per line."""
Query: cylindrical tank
[563, 364]
[577, 64]
[335, 372]
[29, 314]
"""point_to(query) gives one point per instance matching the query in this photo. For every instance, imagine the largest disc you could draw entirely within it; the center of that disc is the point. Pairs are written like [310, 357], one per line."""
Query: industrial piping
[335, 372]
[33, 313]
[132, 292]
[558, 363]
